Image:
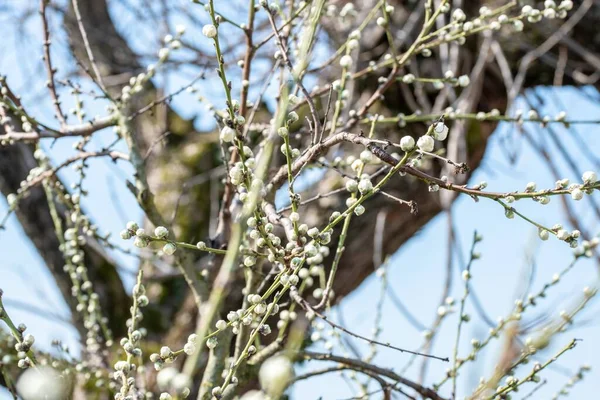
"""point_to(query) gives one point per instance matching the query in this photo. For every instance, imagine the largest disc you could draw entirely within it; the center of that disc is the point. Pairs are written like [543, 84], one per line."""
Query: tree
[401, 89]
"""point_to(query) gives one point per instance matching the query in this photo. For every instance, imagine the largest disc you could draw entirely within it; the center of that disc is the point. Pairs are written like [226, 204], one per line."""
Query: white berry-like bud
[283, 132]
[408, 78]
[426, 143]
[366, 156]
[577, 194]
[221, 325]
[351, 186]
[346, 61]
[365, 186]
[161, 232]
[589, 177]
[293, 117]
[163, 53]
[407, 143]
[458, 15]
[189, 349]
[440, 130]
[169, 248]
[212, 342]
[165, 352]
[210, 31]
[132, 226]
[227, 134]
[275, 374]
[463, 81]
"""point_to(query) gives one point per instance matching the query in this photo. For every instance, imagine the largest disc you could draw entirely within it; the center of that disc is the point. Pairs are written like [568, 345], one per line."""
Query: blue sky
[416, 271]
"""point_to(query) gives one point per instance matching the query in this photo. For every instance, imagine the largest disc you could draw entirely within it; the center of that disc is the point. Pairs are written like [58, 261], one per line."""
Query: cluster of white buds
[136, 83]
[551, 11]
[587, 247]
[165, 356]
[23, 347]
[190, 346]
[142, 239]
[347, 12]
[88, 302]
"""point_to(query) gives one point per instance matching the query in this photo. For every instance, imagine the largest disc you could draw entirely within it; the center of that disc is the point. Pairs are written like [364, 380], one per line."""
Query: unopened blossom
[275, 374]
[426, 143]
[209, 30]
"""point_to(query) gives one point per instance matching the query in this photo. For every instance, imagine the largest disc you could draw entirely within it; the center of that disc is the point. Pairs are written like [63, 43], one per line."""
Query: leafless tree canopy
[324, 135]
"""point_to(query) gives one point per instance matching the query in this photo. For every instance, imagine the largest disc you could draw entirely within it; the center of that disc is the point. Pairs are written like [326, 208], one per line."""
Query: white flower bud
[221, 325]
[346, 61]
[577, 194]
[162, 54]
[407, 143]
[351, 186]
[283, 132]
[227, 134]
[275, 374]
[293, 117]
[365, 186]
[161, 232]
[440, 131]
[210, 31]
[426, 143]
[408, 78]
[132, 226]
[212, 342]
[42, 383]
[589, 177]
[313, 232]
[169, 248]
[458, 15]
